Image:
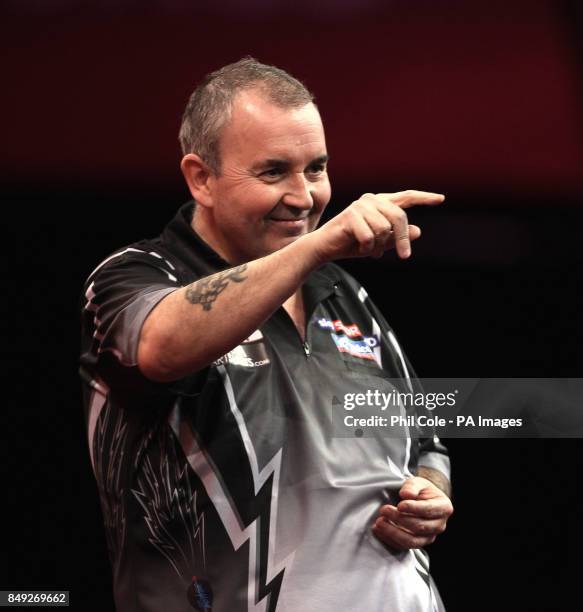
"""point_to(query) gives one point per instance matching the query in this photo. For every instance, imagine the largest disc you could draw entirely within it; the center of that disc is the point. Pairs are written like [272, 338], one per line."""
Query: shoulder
[136, 259]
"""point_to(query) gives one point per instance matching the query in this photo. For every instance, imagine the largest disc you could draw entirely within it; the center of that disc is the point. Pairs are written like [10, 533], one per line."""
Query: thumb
[413, 488]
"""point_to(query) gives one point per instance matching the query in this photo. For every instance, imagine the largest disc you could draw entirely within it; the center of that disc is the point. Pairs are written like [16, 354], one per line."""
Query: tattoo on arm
[206, 290]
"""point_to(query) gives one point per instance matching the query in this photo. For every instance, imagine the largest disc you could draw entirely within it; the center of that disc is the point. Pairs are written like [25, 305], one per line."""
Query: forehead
[258, 128]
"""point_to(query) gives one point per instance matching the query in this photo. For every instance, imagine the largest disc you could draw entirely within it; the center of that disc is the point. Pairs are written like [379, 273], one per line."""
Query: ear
[198, 177]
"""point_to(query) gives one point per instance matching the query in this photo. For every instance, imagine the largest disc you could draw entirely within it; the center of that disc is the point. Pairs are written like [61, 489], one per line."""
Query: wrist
[307, 251]
[435, 477]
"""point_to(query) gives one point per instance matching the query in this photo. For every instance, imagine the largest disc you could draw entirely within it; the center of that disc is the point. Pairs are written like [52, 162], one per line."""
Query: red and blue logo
[356, 348]
[349, 339]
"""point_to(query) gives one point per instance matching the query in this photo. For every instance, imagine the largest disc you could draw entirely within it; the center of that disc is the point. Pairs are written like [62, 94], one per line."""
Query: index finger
[412, 197]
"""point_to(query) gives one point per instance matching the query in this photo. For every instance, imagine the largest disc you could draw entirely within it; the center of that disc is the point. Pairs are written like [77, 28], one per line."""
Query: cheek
[255, 202]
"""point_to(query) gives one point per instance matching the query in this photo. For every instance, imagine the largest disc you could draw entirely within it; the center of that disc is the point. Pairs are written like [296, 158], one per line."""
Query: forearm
[195, 325]
[198, 323]
[436, 477]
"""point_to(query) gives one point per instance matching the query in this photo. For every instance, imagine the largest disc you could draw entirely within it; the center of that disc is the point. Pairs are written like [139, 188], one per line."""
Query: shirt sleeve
[118, 297]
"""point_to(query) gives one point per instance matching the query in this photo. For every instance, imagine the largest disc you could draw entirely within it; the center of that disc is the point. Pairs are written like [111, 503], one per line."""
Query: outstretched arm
[196, 324]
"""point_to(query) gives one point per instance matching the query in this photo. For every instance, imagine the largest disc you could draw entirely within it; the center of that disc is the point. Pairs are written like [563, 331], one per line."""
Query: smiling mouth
[293, 220]
[298, 222]
[294, 227]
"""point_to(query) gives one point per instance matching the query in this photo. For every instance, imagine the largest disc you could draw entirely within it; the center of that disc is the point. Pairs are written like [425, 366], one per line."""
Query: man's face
[273, 184]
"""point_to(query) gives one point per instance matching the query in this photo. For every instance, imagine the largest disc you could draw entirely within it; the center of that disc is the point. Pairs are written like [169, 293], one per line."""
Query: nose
[299, 192]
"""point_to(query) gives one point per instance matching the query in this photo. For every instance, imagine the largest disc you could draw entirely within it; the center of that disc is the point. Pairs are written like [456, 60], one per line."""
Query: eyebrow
[284, 163]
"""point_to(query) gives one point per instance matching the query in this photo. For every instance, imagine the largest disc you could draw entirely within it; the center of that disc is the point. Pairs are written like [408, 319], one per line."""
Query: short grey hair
[209, 106]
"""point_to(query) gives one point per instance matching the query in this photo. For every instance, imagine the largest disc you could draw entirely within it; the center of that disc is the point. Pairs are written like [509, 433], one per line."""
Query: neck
[203, 224]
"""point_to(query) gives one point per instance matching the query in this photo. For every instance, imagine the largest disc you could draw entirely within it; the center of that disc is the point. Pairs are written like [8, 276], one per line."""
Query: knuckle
[400, 215]
[365, 199]
[417, 527]
[353, 216]
[365, 246]
[353, 211]
[424, 528]
[368, 237]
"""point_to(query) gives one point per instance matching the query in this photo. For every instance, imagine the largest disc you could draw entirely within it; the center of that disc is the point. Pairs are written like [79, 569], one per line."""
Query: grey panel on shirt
[123, 335]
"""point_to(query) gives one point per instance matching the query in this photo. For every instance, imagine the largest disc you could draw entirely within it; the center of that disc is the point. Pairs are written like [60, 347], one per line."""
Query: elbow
[156, 351]
[153, 364]
[159, 360]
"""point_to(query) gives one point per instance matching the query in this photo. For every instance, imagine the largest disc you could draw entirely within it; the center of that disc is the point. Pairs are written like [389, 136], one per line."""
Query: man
[214, 357]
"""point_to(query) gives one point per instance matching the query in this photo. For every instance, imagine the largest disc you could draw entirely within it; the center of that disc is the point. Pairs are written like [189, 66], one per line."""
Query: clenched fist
[417, 519]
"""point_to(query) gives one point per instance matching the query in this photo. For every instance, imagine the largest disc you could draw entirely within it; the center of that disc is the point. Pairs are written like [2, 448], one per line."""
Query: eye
[316, 169]
[272, 173]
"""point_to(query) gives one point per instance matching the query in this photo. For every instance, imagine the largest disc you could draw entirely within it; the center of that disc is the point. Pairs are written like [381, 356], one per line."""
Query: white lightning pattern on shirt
[223, 503]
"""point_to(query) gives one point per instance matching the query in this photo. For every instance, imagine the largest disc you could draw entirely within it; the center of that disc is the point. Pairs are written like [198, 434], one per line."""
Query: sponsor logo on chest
[349, 339]
[251, 353]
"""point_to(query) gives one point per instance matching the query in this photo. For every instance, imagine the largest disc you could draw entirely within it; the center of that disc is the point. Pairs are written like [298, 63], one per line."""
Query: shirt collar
[180, 239]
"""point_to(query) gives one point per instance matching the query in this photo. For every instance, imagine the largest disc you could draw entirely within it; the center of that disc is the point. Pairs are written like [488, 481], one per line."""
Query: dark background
[480, 101]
